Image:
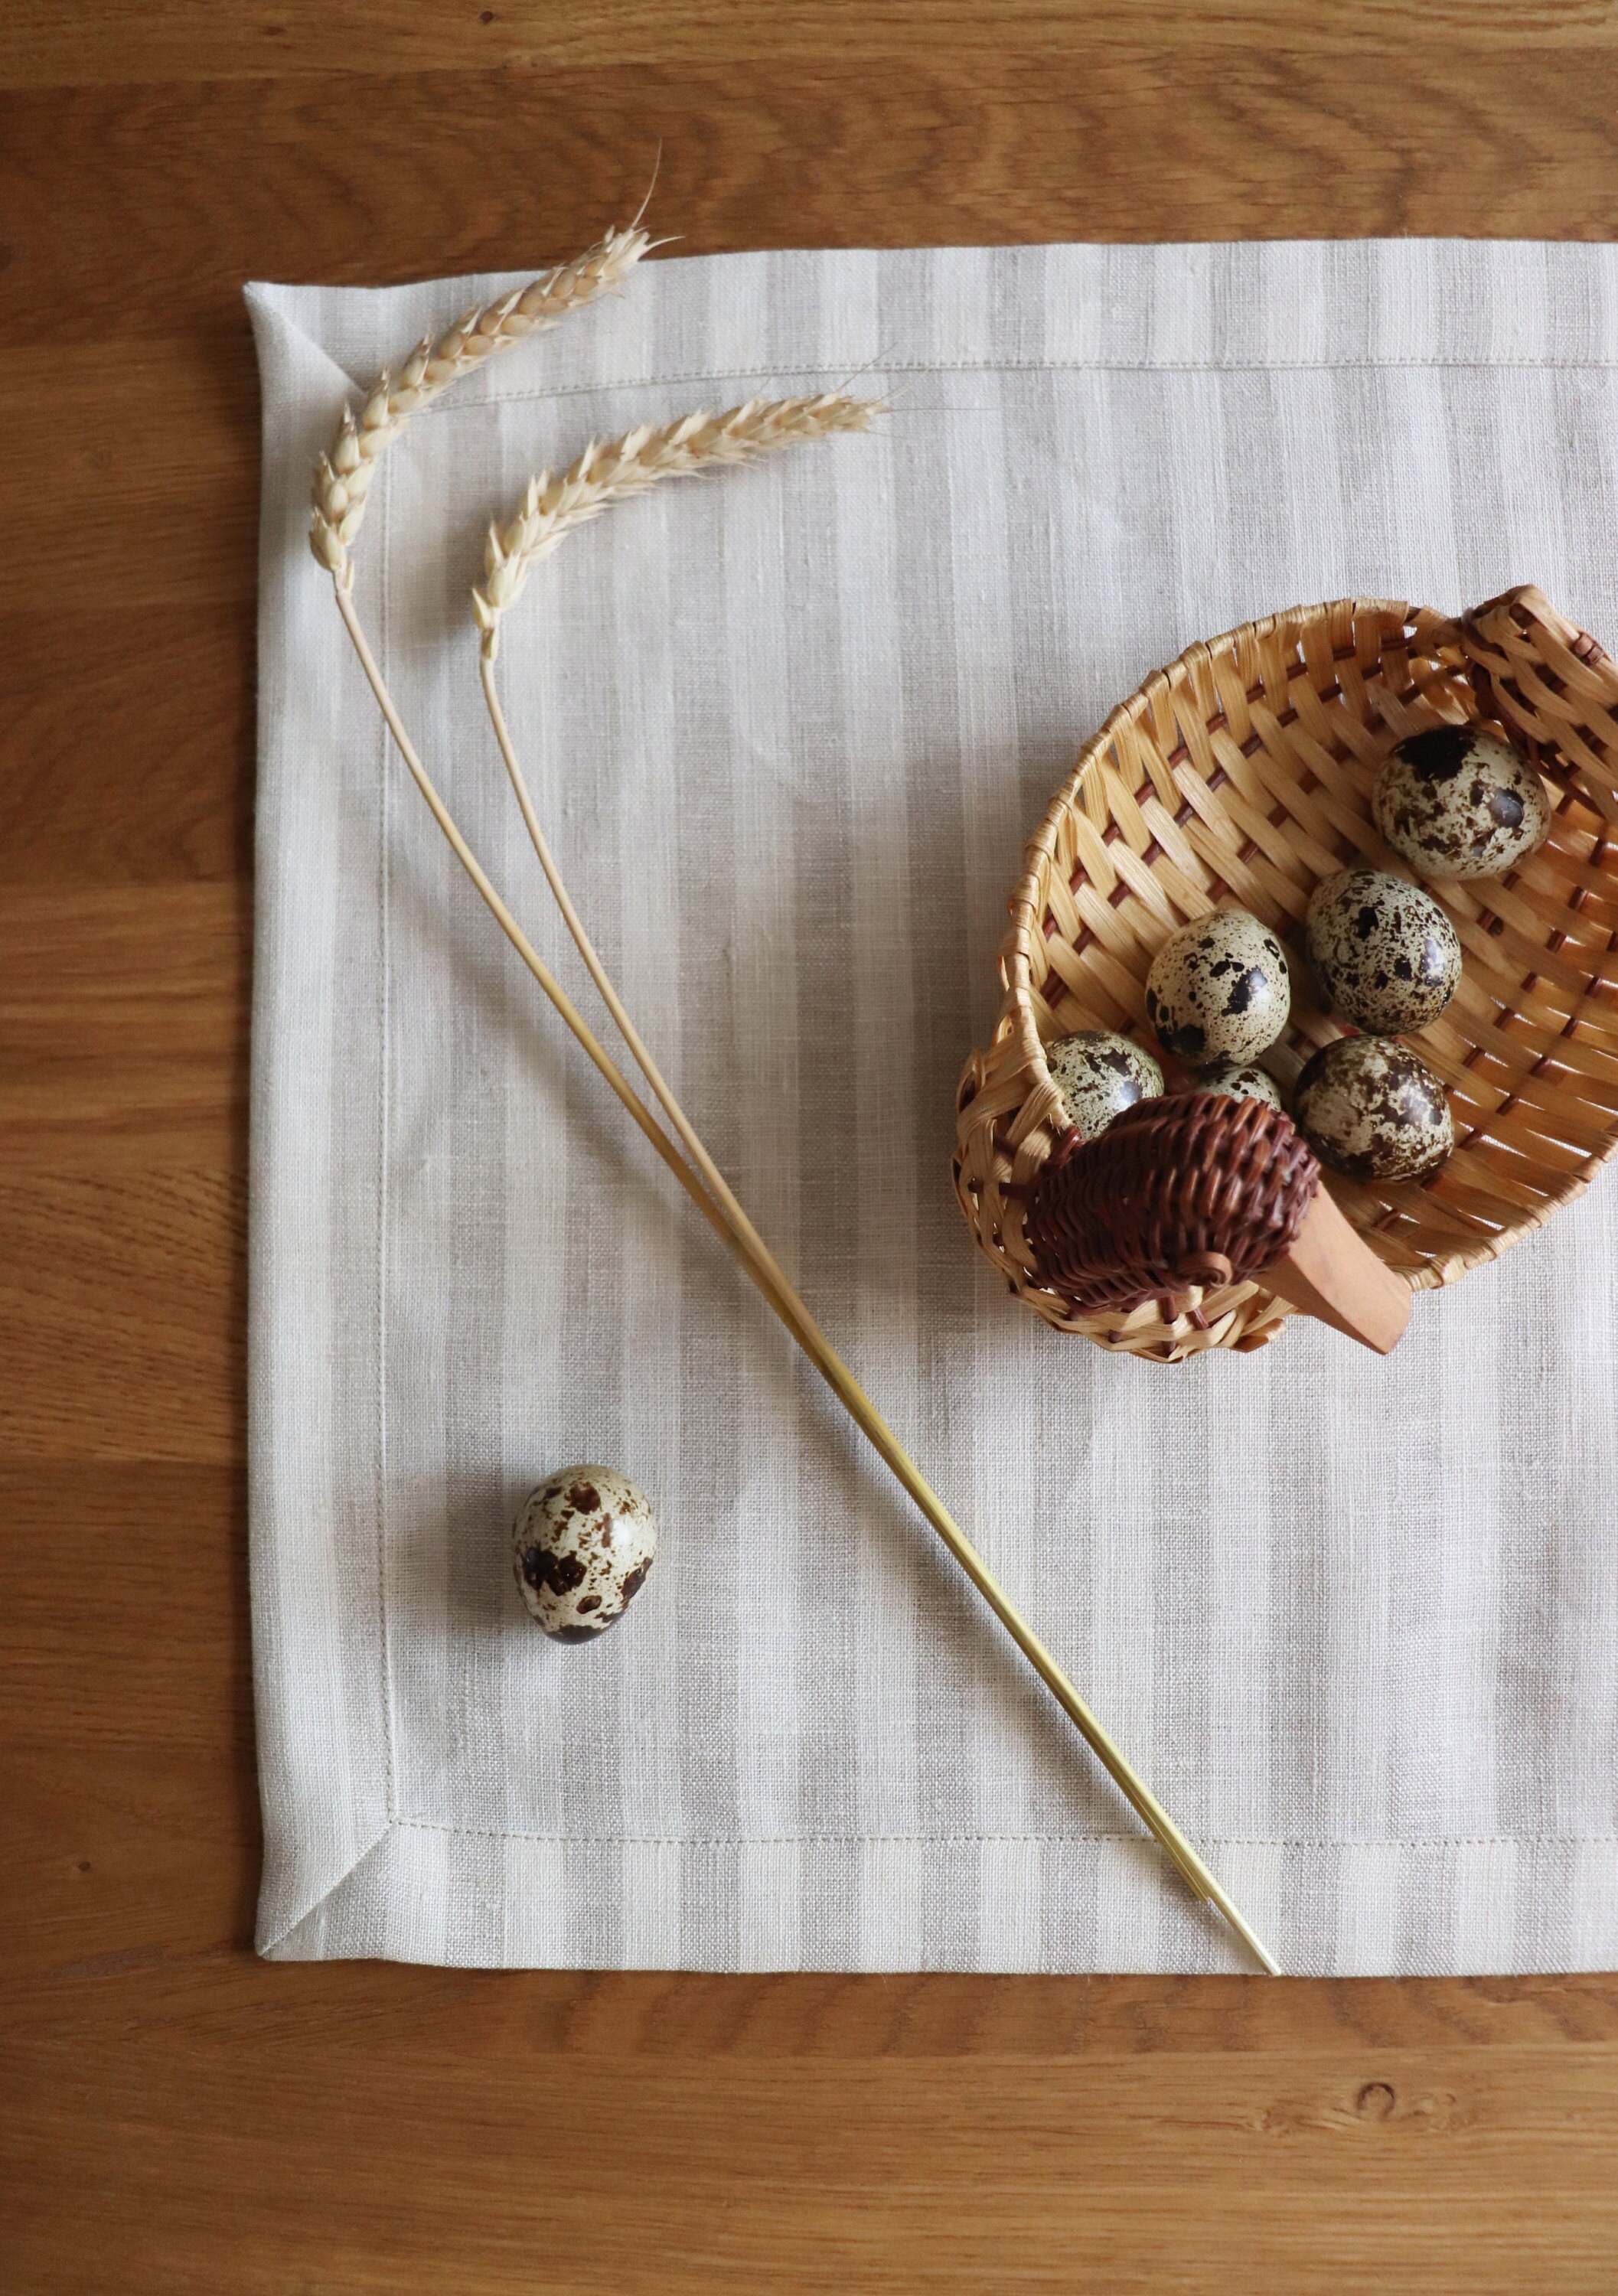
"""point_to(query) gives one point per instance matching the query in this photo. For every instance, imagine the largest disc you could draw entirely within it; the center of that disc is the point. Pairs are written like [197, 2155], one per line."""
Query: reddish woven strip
[1195, 1188]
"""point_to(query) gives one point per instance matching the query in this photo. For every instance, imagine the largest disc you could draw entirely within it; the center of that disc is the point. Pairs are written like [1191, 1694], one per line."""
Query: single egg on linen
[580, 1550]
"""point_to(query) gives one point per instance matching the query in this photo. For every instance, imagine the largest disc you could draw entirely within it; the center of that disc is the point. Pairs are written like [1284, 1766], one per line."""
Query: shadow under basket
[1242, 775]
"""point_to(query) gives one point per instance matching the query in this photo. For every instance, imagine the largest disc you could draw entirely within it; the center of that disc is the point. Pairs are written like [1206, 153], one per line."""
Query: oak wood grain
[110, 40]
[179, 192]
[181, 2116]
[893, 2174]
[83, 803]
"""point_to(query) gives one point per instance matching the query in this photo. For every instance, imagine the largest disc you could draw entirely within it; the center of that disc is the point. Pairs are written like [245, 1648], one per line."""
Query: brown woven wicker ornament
[1200, 1190]
[1242, 775]
[1194, 1188]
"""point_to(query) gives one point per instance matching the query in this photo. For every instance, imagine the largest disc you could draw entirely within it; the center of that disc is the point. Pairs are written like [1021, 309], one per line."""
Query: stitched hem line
[461, 405]
[1045, 1841]
[438, 409]
[384, 1148]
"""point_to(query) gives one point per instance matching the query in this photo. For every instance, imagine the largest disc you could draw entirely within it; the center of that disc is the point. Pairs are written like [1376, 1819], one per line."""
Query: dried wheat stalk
[553, 506]
[551, 510]
[600, 477]
[342, 478]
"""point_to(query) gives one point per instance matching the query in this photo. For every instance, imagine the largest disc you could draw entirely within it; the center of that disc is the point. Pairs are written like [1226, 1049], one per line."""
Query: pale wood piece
[177, 2114]
[1329, 1273]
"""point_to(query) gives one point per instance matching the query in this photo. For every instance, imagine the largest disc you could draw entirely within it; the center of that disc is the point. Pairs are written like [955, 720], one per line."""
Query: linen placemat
[1356, 1621]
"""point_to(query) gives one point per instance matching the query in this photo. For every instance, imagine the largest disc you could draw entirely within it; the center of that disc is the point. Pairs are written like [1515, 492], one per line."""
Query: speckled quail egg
[1386, 955]
[1219, 991]
[1459, 802]
[1099, 1075]
[1369, 1107]
[1242, 1080]
[581, 1548]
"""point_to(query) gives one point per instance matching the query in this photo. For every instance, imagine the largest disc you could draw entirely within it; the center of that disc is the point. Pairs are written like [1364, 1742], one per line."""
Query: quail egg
[1459, 802]
[1386, 955]
[1368, 1107]
[1242, 1080]
[1219, 991]
[580, 1549]
[1099, 1075]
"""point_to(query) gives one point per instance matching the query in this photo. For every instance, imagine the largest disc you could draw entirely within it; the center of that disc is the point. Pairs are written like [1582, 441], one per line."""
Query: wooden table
[179, 2117]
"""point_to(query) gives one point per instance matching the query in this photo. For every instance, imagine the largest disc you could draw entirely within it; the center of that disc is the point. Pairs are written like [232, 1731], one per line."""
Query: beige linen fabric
[1358, 1621]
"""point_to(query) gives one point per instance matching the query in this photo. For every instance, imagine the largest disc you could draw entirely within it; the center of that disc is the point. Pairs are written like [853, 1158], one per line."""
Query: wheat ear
[550, 512]
[554, 506]
[342, 477]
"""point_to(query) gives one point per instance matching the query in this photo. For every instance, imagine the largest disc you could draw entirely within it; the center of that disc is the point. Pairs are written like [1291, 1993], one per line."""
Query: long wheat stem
[576, 1023]
[551, 510]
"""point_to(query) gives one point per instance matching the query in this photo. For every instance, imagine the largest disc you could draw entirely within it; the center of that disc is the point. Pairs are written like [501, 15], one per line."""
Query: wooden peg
[1332, 1273]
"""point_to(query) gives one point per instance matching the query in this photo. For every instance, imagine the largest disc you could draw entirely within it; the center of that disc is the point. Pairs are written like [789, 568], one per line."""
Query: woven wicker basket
[1243, 774]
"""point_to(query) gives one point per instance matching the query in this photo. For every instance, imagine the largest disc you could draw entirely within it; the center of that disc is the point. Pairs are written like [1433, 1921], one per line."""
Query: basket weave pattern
[1241, 774]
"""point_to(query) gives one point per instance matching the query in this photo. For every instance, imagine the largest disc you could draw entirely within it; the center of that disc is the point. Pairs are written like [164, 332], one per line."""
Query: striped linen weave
[1356, 1621]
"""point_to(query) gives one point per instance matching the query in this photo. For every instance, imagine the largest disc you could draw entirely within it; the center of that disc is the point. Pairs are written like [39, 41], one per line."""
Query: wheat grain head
[343, 476]
[553, 506]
